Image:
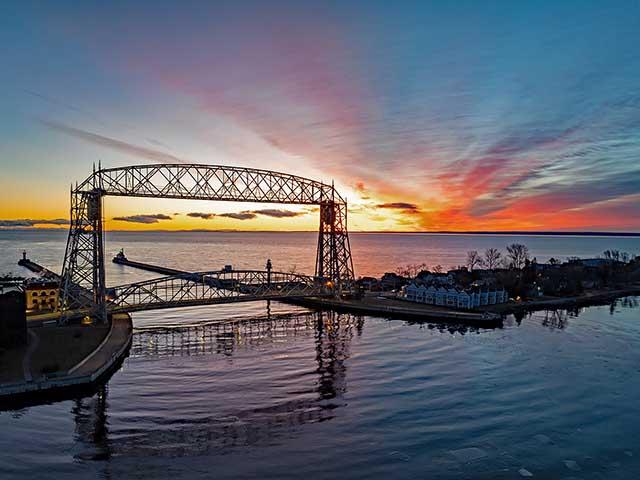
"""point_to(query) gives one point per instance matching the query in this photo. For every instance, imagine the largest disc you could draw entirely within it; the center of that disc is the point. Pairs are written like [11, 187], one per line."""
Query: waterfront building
[436, 278]
[369, 283]
[595, 262]
[41, 294]
[454, 297]
[392, 281]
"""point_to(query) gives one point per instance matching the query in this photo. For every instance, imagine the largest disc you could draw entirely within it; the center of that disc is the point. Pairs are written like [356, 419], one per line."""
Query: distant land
[439, 232]
[550, 233]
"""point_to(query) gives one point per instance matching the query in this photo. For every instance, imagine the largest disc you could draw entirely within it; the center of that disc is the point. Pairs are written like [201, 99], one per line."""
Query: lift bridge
[83, 284]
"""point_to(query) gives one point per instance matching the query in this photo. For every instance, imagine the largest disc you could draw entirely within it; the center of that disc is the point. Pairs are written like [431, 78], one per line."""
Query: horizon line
[592, 233]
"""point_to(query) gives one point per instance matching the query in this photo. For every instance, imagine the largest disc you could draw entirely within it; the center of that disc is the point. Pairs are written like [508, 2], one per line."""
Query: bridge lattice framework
[83, 286]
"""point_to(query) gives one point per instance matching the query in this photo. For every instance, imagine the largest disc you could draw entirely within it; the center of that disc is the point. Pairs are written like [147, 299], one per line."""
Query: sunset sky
[428, 115]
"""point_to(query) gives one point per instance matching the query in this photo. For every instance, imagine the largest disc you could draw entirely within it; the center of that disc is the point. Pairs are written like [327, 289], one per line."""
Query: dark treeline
[523, 277]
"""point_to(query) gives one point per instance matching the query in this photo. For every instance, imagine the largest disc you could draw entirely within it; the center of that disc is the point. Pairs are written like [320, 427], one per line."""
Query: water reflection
[552, 319]
[626, 302]
[226, 337]
[451, 328]
[276, 390]
[91, 426]
[235, 425]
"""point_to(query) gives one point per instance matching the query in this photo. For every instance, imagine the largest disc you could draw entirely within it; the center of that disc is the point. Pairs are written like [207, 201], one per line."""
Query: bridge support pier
[82, 287]
[333, 258]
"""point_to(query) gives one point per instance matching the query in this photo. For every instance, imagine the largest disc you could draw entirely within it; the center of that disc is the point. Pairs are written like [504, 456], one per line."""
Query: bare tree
[518, 255]
[420, 268]
[492, 258]
[403, 271]
[553, 261]
[473, 259]
[411, 270]
[438, 268]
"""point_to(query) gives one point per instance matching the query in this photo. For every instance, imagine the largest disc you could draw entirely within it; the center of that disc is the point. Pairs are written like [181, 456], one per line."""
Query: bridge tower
[82, 287]
[333, 257]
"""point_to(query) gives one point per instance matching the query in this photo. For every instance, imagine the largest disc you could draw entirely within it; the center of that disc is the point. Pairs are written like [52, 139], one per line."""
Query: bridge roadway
[183, 289]
[208, 288]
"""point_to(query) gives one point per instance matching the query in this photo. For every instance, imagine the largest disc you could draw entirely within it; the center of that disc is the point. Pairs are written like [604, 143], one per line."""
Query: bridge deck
[211, 288]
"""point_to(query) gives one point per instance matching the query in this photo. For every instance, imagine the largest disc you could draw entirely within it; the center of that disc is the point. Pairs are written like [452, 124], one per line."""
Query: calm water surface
[373, 254]
[255, 392]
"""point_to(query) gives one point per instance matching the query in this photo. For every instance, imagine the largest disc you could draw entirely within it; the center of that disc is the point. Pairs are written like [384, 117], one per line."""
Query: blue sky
[481, 115]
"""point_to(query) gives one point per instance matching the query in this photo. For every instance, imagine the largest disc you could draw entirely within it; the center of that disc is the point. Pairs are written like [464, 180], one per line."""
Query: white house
[438, 278]
[409, 292]
[448, 296]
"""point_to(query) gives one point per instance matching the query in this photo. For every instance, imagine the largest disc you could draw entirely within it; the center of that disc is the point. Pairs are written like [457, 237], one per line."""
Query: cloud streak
[143, 218]
[402, 206]
[30, 222]
[204, 216]
[119, 146]
[249, 214]
[238, 215]
[278, 213]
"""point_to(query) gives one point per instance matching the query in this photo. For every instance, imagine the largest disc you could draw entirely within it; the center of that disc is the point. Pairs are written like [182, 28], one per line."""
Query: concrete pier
[45, 369]
[389, 307]
[90, 371]
[36, 268]
[122, 260]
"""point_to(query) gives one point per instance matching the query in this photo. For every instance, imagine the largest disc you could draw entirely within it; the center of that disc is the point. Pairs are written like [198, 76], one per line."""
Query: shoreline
[588, 299]
[489, 316]
[389, 307]
[84, 376]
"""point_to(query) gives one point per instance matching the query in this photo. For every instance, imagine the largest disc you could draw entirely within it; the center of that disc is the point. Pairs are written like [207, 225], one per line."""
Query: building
[596, 262]
[369, 283]
[13, 318]
[436, 278]
[41, 294]
[454, 297]
[392, 281]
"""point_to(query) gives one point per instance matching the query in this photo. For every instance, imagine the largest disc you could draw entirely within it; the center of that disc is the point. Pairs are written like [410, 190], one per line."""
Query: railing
[206, 288]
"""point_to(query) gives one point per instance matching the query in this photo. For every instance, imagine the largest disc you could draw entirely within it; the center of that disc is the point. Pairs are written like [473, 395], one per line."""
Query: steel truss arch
[83, 277]
[207, 288]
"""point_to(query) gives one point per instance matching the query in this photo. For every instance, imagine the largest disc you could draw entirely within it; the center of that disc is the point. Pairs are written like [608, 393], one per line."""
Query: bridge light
[329, 284]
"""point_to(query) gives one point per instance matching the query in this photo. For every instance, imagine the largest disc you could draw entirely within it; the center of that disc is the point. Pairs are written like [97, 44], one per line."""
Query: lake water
[250, 391]
[373, 254]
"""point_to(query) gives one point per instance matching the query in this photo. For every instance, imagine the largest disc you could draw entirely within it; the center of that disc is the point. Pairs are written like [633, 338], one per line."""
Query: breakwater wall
[147, 267]
[37, 268]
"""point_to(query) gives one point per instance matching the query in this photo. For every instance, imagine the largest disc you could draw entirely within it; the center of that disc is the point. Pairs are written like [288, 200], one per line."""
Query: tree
[411, 270]
[553, 261]
[473, 259]
[518, 255]
[438, 268]
[492, 258]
